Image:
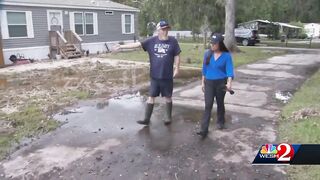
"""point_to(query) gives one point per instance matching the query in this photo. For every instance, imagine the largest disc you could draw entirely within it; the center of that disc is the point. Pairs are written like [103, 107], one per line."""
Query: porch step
[71, 51]
[74, 56]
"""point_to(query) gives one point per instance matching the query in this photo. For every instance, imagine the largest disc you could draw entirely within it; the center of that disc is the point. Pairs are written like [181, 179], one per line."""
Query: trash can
[283, 38]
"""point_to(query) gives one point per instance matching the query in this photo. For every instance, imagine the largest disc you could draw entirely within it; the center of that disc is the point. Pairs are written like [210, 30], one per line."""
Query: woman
[217, 74]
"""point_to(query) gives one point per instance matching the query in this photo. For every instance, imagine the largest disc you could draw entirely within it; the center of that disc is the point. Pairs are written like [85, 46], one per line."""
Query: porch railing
[74, 38]
[58, 43]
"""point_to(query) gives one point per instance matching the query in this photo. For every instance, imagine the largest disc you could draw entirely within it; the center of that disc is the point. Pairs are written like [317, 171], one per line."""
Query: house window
[127, 24]
[17, 24]
[89, 23]
[84, 23]
[78, 22]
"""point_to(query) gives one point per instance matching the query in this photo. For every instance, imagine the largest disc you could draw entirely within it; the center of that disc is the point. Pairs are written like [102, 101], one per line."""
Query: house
[40, 28]
[287, 29]
[262, 26]
[312, 30]
[272, 29]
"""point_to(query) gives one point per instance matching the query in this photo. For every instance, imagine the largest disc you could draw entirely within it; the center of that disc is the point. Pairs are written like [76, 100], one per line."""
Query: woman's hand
[228, 86]
[202, 87]
[203, 84]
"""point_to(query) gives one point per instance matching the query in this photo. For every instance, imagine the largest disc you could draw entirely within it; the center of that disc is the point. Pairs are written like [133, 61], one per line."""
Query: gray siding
[40, 26]
[109, 27]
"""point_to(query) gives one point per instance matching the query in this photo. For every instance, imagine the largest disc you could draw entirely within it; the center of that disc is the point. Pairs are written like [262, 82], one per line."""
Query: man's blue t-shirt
[161, 55]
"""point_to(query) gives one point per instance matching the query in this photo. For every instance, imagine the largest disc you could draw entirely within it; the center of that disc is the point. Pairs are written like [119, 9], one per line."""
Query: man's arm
[177, 66]
[117, 47]
[131, 45]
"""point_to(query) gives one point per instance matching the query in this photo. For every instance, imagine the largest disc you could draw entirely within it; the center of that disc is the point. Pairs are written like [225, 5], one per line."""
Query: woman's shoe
[202, 134]
[220, 126]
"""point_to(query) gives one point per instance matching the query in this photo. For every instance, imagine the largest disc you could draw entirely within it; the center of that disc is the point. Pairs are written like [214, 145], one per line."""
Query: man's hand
[116, 48]
[176, 72]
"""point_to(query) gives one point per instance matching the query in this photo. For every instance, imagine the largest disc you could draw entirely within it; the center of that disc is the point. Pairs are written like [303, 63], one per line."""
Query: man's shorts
[161, 86]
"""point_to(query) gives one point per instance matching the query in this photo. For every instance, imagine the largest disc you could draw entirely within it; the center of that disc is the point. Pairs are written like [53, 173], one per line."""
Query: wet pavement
[101, 140]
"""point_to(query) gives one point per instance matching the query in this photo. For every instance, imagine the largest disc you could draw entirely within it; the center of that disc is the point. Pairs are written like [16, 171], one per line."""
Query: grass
[29, 122]
[32, 121]
[81, 95]
[307, 97]
[302, 131]
[291, 44]
[192, 55]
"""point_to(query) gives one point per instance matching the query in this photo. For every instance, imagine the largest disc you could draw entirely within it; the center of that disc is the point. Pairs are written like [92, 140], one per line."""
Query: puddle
[117, 116]
[283, 96]
[112, 116]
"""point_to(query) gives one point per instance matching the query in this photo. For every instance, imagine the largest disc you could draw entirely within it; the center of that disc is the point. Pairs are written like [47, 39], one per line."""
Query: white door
[55, 21]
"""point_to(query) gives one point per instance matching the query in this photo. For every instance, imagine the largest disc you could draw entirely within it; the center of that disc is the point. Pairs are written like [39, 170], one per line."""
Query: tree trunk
[230, 39]
[1, 53]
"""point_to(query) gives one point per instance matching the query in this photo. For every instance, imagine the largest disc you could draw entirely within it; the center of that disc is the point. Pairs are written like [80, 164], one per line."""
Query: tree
[230, 40]
[190, 14]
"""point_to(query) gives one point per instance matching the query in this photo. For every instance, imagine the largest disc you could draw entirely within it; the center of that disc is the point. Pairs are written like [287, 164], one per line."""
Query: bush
[302, 36]
[302, 33]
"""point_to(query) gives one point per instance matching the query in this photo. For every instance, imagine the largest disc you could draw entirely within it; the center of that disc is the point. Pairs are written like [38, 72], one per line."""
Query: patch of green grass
[302, 131]
[292, 44]
[81, 95]
[192, 55]
[304, 172]
[249, 55]
[307, 97]
[5, 141]
[29, 122]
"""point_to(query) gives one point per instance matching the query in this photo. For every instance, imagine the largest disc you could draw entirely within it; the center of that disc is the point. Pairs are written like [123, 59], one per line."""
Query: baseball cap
[216, 38]
[163, 24]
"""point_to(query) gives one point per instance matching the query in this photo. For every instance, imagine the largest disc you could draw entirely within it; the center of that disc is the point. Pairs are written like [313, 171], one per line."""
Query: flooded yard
[31, 94]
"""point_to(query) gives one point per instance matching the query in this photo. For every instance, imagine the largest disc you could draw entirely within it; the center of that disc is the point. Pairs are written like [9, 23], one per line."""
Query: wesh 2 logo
[275, 154]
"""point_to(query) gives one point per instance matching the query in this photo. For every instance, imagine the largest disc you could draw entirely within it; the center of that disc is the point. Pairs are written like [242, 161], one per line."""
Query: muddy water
[117, 117]
[135, 148]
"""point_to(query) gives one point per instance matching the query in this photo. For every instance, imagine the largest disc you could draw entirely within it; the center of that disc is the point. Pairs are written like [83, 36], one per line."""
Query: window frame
[5, 25]
[123, 23]
[83, 24]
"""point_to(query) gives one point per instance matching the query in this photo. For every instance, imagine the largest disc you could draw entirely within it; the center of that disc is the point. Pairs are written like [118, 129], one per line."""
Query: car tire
[245, 42]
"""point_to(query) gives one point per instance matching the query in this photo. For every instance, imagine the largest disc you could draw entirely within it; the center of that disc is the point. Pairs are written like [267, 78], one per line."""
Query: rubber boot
[147, 116]
[167, 121]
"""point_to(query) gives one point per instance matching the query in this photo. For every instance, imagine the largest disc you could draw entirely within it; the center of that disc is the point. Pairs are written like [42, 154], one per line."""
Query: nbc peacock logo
[268, 151]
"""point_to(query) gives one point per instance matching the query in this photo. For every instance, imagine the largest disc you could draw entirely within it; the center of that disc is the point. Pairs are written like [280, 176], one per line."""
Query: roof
[79, 4]
[269, 22]
[257, 20]
[287, 25]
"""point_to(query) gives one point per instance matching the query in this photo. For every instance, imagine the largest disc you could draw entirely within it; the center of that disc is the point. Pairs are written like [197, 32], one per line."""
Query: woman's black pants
[214, 89]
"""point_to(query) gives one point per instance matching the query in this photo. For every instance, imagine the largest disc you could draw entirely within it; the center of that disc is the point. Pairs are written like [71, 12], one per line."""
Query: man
[163, 51]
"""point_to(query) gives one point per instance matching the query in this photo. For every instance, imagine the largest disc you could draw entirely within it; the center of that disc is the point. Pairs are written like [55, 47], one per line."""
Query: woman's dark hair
[222, 48]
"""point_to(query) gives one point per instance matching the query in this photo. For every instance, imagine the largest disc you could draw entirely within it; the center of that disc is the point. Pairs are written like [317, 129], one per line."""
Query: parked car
[246, 37]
